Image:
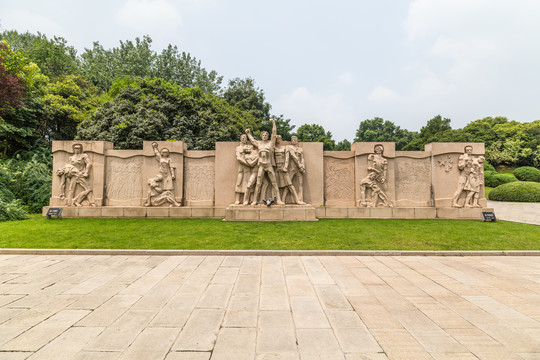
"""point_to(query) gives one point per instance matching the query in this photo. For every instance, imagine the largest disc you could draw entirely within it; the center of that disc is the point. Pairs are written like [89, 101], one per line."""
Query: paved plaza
[269, 307]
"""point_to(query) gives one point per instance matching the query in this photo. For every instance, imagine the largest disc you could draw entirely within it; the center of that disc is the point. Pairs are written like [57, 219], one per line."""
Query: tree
[11, 86]
[343, 145]
[67, 102]
[157, 110]
[19, 123]
[316, 133]
[377, 129]
[243, 94]
[186, 71]
[137, 59]
[53, 56]
[436, 129]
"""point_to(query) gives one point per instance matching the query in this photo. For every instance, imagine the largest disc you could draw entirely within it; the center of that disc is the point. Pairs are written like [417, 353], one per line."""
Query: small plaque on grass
[489, 216]
[54, 212]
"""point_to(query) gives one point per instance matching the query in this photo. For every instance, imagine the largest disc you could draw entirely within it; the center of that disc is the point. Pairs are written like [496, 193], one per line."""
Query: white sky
[332, 63]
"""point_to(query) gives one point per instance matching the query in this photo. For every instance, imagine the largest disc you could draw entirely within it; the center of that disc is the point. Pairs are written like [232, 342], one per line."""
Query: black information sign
[54, 212]
[489, 216]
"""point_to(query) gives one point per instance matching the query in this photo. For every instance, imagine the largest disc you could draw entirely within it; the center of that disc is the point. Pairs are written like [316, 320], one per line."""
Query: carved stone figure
[296, 168]
[471, 179]
[247, 157]
[166, 168]
[282, 156]
[74, 187]
[265, 163]
[375, 181]
[157, 195]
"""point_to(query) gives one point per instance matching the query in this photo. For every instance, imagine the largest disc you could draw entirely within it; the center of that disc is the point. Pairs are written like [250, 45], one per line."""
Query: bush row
[527, 173]
[519, 191]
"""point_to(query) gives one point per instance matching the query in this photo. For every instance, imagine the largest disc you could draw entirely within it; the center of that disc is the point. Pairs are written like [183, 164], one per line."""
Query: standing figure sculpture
[166, 176]
[265, 163]
[470, 178]
[76, 172]
[282, 156]
[296, 167]
[375, 181]
[247, 158]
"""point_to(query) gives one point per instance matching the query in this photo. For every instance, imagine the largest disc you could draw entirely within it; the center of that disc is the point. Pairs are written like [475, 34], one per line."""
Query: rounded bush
[519, 191]
[488, 167]
[527, 173]
[496, 179]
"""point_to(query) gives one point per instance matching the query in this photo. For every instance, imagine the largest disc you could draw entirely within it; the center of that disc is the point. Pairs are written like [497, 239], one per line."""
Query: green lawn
[326, 234]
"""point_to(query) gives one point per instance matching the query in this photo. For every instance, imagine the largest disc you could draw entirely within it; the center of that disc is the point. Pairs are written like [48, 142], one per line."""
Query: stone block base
[271, 213]
[140, 212]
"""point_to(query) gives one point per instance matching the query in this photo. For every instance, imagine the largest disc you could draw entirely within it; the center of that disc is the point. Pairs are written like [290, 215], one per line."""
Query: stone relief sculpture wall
[199, 174]
[413, 179]
[339, 178]
[164, 174]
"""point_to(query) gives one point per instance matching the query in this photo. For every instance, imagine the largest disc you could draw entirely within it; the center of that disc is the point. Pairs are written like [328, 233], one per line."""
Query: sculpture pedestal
[270, 213]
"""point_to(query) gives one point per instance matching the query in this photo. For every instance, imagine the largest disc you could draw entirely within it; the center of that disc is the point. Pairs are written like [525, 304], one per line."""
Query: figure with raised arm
[266, 163]
[166, 168]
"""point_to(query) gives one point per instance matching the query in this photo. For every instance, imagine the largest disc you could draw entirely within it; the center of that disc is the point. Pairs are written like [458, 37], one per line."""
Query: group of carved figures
[268, 162]
[471, 179]
[263, 163]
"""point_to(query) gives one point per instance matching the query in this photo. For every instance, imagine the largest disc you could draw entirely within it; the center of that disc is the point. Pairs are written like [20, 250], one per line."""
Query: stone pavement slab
[200, 307]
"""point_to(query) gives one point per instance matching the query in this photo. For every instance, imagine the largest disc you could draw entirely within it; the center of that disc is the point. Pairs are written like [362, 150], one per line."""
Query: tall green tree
[19, 123]
[316, 133]
[53, 56]
[243, 94]
[378, 129]
[156, 110]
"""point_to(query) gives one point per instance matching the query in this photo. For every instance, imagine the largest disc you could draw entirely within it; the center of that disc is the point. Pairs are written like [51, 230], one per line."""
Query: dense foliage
[519, 191]
[527, 173]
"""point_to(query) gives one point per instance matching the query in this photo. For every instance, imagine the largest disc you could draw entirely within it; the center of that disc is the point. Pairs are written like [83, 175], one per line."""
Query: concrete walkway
[269, 307]
[528, 213]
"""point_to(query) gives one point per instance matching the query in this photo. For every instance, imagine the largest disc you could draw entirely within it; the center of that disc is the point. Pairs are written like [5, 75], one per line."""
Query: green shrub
[488, 167]
[527, 173]
[519, 191]
[31, 178]
[12, 210]
[495, 179]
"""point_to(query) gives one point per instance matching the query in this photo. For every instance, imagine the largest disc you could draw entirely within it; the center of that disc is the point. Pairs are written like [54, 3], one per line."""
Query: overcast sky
[334, 63]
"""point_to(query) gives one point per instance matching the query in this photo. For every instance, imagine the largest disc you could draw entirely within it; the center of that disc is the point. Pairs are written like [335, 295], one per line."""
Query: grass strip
[215, 234]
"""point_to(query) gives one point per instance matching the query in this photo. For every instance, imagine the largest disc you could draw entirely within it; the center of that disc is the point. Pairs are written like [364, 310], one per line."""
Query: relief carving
[161, 187]
[447, 164]
[471, 179]
[199, 181]
[339, 182]
[373, 186]
[124, 178]
[411, 175]
[75, 187]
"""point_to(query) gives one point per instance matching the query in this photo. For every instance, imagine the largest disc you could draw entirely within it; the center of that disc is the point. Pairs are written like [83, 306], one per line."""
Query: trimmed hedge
[488, 167]
[520, 191]
[527, 173]
[494, 179]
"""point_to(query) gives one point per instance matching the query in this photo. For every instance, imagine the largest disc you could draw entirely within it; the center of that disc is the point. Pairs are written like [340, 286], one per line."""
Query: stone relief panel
[471, 179]
[124, 180]
[199, 174]
[339, 181]
[75, 179]
[413, 181]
